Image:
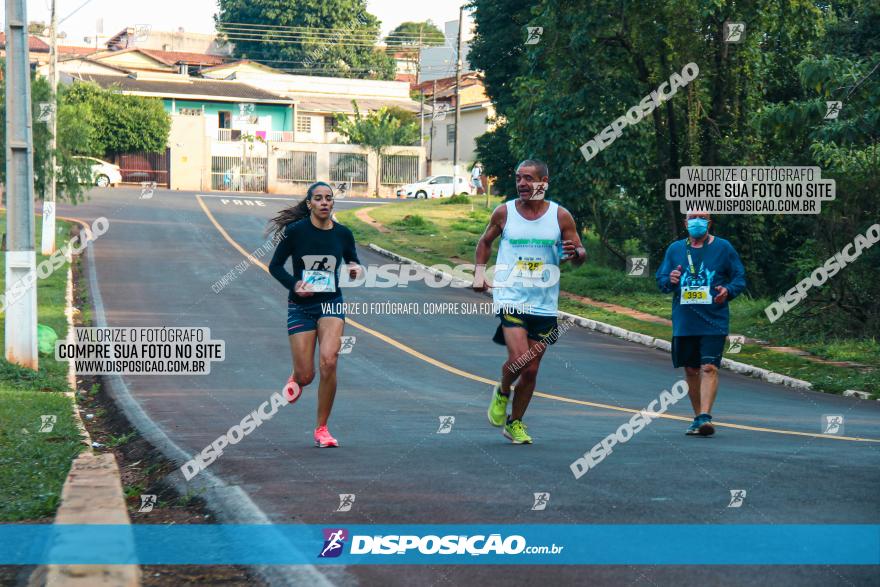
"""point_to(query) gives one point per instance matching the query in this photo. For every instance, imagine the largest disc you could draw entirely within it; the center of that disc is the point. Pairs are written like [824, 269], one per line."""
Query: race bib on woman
[318, 273]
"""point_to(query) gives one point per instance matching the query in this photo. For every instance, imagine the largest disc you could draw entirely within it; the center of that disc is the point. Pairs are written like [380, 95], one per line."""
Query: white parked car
[435, 186]
[103, 172]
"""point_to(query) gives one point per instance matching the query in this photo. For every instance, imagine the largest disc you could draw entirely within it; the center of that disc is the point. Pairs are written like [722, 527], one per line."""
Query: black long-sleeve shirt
[319, 254]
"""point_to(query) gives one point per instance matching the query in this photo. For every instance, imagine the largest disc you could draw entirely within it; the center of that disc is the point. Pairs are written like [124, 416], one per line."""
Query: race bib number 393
[695, 295]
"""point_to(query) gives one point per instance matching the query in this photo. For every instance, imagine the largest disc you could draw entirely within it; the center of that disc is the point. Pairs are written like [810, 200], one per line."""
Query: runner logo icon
[737, 497]
[446, 423]
[832, 424]
[541, 501]
[346, 500]
[334, 541]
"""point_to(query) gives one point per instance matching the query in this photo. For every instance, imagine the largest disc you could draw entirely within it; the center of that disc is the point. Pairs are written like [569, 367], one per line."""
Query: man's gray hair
[537, 164]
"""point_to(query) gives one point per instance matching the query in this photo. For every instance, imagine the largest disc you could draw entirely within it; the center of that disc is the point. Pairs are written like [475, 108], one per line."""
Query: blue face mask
[697, 227]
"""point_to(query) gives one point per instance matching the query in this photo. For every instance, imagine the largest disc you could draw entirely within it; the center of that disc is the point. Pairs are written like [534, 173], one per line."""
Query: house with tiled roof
[241, 125]
[477, 115]
[38, 49]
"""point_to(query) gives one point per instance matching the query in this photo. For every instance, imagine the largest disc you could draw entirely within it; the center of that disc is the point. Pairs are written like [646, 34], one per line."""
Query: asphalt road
[157, 264]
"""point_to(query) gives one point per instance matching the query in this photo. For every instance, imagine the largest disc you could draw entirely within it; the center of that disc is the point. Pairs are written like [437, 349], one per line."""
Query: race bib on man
[695, 295]
[530, 265]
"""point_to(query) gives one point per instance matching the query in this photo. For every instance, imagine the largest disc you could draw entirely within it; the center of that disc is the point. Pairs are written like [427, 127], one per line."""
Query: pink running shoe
[323, 438]
[292, 391]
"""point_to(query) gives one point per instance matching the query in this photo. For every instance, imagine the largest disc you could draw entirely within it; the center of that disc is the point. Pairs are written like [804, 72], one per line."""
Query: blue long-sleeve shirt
[716, 263]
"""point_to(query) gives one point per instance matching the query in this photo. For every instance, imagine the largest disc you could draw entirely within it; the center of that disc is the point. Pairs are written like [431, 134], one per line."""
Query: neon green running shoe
[516, 432]
[498, 407]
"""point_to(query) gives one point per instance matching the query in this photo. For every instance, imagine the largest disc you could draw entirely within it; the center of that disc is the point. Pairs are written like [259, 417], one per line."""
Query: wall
[190, 152]
[473, 124]
[322, 165]
[193, 144]
[317, 135]
[280, 116]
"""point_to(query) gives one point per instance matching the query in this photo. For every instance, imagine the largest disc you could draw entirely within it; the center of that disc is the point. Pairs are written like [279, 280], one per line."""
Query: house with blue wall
[230, 108]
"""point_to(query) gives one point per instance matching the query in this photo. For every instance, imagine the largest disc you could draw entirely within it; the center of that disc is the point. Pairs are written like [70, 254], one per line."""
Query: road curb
[629, 335]
[92, 494]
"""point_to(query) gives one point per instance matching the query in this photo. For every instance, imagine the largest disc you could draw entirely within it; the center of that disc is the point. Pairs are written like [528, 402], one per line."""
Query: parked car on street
[103, 172]
[435, 186]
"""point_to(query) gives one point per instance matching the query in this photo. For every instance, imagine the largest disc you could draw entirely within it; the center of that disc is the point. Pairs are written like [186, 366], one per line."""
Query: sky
[197, 15]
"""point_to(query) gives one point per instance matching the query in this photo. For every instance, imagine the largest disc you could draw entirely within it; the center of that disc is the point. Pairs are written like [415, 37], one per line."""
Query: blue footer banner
[353, 544]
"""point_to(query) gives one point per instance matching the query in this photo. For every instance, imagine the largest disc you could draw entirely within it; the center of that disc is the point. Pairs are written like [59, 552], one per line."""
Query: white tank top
[527, 267]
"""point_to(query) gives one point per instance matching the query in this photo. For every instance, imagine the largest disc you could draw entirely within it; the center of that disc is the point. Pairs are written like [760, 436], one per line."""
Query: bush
[457, 199]
[414, 223]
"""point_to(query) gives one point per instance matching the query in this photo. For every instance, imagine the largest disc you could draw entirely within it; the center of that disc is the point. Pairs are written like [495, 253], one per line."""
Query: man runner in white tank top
[536, 236]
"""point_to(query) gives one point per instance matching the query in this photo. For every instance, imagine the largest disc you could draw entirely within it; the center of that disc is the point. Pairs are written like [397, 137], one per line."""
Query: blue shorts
[304, 317]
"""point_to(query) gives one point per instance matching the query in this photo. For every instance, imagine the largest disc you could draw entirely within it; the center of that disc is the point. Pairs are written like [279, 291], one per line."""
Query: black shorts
[695, 351]
[541, 328]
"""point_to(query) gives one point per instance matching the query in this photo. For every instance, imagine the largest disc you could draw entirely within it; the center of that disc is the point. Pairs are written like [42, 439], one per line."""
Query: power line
[348, 34]
[354, 33]
[301, 40]
[258, 26]
[74, 12]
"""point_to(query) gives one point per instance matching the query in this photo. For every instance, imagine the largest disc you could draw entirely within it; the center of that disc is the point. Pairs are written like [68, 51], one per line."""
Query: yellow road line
[455, 371]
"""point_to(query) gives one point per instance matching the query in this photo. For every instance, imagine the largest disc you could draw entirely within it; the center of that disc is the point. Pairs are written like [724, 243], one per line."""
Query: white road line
[339, 201]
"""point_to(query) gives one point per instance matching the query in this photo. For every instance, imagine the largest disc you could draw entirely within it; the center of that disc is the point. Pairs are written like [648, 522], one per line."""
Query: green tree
[758, 102]
[376, 131]
[37, 27]
[73, 139]
[493, 151]
[322, 37]
[121, 123]
[415, 34]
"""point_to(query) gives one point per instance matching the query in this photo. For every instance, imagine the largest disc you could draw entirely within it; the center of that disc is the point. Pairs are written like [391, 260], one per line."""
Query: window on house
[224, 119]
[330, 124]
[450, 133]
[304, 124]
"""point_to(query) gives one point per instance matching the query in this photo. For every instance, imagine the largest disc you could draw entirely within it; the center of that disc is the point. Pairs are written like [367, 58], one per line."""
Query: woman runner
[318, 246]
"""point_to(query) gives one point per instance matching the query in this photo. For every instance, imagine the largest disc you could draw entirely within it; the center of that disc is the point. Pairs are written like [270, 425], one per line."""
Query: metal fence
[400, 169]
[297, 166]
[350, 167]
[142, 166]
[238, 173]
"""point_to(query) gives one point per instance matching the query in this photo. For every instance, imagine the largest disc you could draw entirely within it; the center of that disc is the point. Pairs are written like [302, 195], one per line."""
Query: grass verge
[35, 463]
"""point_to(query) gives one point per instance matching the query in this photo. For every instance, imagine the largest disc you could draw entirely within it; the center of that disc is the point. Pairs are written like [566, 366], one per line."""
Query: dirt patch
[363, 214]
[624, 311]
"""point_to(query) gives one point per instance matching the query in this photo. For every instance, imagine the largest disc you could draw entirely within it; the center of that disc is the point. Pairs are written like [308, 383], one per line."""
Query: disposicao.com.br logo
[402, 544]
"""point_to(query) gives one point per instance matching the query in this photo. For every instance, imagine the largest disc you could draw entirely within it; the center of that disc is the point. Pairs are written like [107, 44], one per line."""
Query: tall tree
[318, 37]
[411, 33]
[756, 102]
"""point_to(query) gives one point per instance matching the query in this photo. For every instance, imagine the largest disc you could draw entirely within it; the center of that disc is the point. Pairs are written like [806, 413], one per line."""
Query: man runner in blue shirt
[703, 272]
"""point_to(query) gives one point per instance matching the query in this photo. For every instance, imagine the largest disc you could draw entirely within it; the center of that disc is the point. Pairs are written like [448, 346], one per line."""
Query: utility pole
[49, 205]
[433, 115]
[457, 100]
[21, 289]
[421, 93]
